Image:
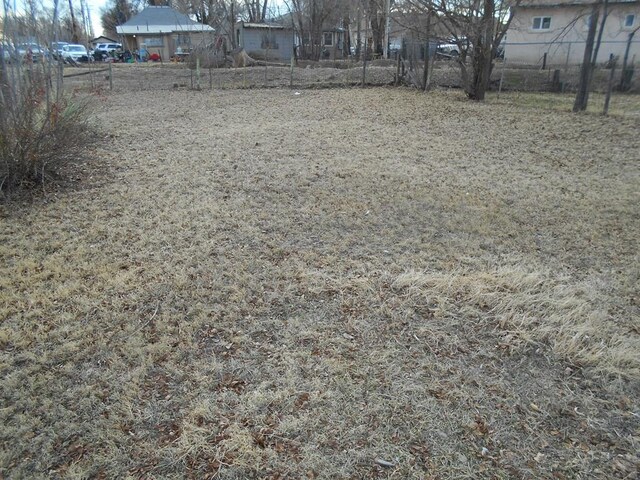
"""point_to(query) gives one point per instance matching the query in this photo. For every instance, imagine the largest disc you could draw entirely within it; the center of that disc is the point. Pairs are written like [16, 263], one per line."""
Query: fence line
[507, 77]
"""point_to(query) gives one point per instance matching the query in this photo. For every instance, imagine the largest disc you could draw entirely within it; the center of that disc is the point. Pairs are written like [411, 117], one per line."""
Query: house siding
[251, 39]
[169, 46]
[565, 40]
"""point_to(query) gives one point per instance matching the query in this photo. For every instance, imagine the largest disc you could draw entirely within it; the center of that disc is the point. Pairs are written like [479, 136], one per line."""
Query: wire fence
[507, 78]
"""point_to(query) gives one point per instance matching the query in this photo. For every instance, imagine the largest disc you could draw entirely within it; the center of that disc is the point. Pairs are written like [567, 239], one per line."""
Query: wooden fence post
[110, 76]
[607, 99]
[198, 73]
[291, 72]
[425, 72]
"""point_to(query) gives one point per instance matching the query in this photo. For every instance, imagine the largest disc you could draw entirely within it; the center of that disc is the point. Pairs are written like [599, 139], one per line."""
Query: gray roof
[263, 25]
[160, 20]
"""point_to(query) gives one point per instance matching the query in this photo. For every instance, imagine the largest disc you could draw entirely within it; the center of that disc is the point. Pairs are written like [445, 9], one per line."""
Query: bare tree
[310, 17]
[116, 13]
[222, 15]
[256, 10]
[627, 72]
[591, 49]
[477, 27]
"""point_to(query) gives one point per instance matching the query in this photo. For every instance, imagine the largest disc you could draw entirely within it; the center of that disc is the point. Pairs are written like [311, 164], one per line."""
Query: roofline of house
[150, 29]
[574, 4]
[103, 36]
[271, 26]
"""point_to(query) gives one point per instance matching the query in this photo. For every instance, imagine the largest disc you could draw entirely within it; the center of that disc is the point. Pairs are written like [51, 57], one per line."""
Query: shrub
[41, 130]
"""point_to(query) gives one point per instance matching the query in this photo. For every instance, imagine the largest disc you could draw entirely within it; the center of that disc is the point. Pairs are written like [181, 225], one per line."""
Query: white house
[559, 29]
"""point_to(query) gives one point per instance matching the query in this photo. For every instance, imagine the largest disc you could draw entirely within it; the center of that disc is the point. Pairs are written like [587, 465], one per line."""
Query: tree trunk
[625, 78]
[596, 48]
[482, 55]
[74, 29]
[582, 96]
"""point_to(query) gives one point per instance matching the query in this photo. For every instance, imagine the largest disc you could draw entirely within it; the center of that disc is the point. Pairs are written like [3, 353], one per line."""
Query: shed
[265, 41]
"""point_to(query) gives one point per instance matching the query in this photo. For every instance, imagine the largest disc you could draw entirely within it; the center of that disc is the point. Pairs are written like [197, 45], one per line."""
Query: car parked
[104, 50]
[448, 49]
[30, 52]
[75, 53]
[57, 49]
[6, 51]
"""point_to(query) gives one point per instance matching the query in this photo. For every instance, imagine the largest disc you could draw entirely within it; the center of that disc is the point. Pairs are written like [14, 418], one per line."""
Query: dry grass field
[331, 284]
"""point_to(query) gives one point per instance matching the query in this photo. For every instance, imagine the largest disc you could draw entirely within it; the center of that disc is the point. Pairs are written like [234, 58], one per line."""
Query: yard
[343, 283]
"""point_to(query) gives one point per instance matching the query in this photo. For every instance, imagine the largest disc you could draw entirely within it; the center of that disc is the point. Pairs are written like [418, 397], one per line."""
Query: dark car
[30, 52]
[56, 49]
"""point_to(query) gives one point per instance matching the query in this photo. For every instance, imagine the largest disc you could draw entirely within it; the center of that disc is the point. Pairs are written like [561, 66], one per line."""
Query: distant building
[101, 39]
[559, 29]
[164, 31]
[265, 41]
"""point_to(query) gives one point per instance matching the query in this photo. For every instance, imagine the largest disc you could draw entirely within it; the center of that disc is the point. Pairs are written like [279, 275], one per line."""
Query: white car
[449, 49]
[104, 50]
[76, 53]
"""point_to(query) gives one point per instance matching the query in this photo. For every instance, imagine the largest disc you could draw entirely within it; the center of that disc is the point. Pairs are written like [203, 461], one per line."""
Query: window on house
[183, 40]
[327, 38]
[153, 41]
[541, 23]
[629, 20]
[269, 41]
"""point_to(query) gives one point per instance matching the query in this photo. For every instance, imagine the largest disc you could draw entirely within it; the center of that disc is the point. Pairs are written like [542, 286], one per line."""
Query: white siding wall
[564, 41]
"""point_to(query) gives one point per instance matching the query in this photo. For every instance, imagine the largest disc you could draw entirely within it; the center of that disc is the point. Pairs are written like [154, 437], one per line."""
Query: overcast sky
[94, 7]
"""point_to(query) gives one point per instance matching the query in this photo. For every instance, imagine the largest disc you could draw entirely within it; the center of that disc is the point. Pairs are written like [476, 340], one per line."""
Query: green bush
[41, 131]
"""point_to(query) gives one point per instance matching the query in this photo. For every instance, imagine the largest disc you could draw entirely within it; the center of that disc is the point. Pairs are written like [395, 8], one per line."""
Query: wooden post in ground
[110, 76]
[210, 79]
[425, 72]
[556, 85]
[607, 99]
[366, 48]
[198, 73]
[398, 61]
[504, 65]
[291, 72]
[61, 78]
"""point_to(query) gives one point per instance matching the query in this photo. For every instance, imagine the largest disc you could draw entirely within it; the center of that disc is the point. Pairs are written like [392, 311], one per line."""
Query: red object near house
[154, 57]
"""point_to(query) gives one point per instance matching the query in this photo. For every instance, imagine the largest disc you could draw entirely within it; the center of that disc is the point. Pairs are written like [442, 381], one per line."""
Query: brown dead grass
[269, 285]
